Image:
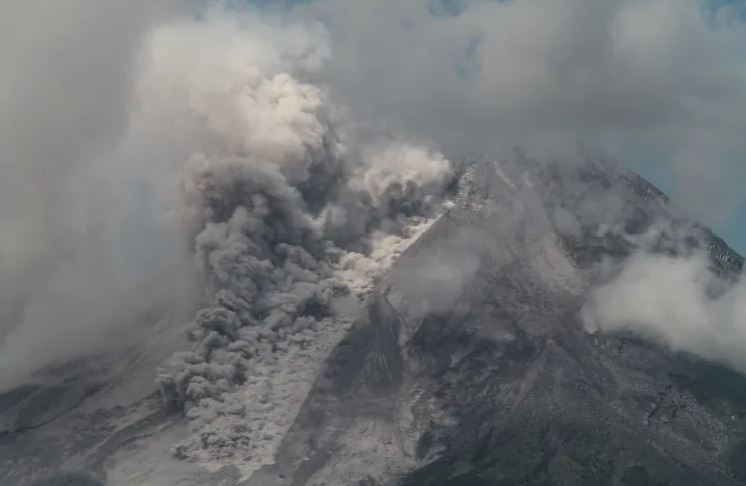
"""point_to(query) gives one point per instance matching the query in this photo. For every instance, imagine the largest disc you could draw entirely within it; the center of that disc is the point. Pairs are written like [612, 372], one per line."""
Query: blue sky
[732, 228]
[738, 5]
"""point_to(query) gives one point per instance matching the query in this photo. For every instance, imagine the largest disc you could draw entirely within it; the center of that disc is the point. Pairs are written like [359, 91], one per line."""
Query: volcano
[470, 362]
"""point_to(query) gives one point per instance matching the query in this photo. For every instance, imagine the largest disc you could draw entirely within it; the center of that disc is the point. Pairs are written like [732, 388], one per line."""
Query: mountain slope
[470, 363]
[495, 381]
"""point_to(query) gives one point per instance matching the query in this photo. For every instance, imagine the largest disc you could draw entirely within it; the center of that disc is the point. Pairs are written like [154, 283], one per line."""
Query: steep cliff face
[470, 363]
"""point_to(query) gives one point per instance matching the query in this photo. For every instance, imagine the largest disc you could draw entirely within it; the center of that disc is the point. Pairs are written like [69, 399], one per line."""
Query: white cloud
[66, 198]
[678, 302]
[546, 74]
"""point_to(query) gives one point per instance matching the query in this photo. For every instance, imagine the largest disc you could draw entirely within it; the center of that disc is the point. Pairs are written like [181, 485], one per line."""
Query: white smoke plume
[83, 254]
[678, 302]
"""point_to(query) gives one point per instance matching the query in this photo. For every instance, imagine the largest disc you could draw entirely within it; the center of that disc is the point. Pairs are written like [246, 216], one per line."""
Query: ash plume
[251, 171]
[283, 209]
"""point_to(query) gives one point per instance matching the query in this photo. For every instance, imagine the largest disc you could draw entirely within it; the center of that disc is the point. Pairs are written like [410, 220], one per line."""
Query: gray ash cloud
[277, 200]
[279, 162]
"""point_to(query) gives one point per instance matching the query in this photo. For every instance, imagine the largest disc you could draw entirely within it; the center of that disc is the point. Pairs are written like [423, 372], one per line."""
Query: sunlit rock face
[470, 360]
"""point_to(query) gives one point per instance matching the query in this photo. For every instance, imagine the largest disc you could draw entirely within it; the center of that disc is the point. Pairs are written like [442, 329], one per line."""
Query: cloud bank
[663, 77]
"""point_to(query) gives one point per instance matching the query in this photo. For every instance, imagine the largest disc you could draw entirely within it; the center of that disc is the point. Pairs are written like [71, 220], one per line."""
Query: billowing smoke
[202, 138]
[278, 162]
[286, 208]
[215, 160]
[678, 302]
[84, 256]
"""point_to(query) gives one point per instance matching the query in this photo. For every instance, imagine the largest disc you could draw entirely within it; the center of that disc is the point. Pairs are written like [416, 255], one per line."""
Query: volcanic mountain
[496, 380]
[470, 362]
